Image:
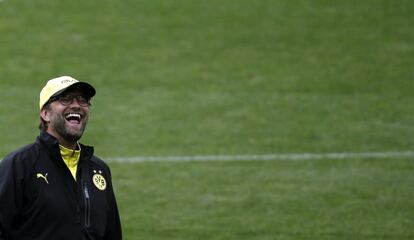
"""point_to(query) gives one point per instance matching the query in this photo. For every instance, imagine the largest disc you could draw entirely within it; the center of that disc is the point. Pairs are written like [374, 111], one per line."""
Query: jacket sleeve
[113, 231]
[11, 192]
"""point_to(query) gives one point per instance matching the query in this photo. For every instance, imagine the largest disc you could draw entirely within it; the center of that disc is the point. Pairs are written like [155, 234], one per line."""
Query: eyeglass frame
[79, 99]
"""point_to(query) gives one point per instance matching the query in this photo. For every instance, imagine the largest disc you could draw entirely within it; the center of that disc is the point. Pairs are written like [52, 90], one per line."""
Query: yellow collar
[71, 158]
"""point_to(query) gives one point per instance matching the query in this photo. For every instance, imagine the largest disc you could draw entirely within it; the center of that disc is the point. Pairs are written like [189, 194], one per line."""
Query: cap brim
[86, 88]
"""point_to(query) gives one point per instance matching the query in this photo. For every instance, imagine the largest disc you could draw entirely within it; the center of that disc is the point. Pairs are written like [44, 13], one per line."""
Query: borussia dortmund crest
[99, 180]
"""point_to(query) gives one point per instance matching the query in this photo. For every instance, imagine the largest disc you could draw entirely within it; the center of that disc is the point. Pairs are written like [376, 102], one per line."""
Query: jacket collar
[52, 145]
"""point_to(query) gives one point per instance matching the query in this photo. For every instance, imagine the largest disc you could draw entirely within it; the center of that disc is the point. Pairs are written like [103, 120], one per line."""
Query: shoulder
[22, 155]
[20, 161]
[98, 163]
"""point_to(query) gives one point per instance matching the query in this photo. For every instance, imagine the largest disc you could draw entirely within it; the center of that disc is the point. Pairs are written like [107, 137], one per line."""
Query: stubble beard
[65, 131]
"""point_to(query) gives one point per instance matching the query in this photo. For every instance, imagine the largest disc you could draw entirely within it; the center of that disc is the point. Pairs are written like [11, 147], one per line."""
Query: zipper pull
[87, 204]
[85, 190]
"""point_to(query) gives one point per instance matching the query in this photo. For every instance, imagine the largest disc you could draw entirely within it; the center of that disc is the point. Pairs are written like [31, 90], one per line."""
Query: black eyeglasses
[67, 100]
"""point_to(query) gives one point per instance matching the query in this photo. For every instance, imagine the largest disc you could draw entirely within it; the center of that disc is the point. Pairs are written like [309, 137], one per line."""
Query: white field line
[264, 157]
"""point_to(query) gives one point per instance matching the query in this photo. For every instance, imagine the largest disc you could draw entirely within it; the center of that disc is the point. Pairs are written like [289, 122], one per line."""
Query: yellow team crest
[99, 180]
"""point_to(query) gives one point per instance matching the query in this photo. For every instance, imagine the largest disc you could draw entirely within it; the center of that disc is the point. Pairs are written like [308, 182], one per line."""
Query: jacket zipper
[87, 202]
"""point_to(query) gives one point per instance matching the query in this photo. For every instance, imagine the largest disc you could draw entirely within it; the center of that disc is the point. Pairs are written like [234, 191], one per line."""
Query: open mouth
[73, 118]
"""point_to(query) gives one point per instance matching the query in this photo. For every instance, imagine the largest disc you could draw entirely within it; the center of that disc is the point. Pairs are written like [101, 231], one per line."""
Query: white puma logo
[39, 175]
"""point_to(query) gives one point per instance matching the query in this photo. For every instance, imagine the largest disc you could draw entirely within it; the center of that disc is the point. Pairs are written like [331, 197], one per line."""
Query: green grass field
[231, 77]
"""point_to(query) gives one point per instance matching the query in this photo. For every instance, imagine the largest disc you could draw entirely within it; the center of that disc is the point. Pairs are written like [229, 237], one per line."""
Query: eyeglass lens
[68, 99]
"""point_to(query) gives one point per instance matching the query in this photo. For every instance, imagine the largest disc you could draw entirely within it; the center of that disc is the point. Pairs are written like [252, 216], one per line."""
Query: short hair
[43, 124]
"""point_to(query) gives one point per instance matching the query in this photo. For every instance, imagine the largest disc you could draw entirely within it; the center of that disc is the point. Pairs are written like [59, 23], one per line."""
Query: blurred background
[230, 77]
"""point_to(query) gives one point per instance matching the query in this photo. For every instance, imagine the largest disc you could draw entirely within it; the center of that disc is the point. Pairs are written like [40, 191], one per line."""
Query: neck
[70, 144]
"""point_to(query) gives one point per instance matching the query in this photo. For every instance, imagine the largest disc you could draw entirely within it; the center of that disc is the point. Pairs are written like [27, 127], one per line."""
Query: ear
[45, 114]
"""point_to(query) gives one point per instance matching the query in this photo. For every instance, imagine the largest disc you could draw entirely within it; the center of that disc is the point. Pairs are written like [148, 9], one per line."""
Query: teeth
[75, 115]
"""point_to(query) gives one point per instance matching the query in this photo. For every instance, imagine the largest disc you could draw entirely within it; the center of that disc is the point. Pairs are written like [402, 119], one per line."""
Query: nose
[75, 102]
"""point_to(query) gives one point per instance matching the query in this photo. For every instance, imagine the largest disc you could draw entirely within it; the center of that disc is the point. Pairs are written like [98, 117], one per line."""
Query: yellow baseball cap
[58, 85]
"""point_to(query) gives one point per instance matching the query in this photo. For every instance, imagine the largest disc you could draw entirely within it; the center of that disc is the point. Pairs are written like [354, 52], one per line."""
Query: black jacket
[39, 198]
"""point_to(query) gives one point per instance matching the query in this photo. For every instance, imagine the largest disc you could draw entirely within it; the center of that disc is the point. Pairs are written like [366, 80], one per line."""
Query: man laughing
[56, 188]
